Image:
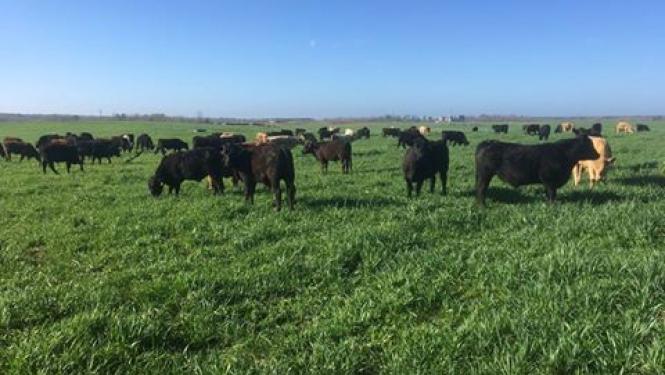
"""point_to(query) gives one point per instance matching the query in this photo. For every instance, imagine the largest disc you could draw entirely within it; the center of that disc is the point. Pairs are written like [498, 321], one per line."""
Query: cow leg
[577, 174]
[69, 166]
[170, 189]
[551, 193]
[419, 186]
[44, 162]
[107, 158]
[443, 175]
[52, 166]
[290, 193]
[409, 187]
[277, 194]
[177, 189]
[483, 180]
[432, 182]
[81, 165]
[21, 159]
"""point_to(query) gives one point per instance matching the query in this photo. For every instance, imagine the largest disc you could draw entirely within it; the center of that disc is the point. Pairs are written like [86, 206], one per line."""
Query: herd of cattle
[268, 158]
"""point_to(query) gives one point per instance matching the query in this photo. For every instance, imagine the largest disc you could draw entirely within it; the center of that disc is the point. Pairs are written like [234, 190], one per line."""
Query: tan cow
[349, 132]
[424, 130]
[624, 127]
[261, 138]
[567, 126]
[596, 168]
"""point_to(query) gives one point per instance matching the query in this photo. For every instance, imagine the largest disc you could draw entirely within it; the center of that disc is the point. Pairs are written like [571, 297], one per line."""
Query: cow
[300, 131]
[98, 149]
[144, 142]
[285, 141]
[210, 141]
[326, 133]
[597, 168]
[642, 128]
[307, 137]
[129, 144]
[262, 163]
[624, 127]
[46, 139]
[85, 136]
[121, 142]
[233, 138]
[454, 138]
[565, 127]
[474, 129]
[544, 132]
[531, 129]
[596, 130]
[174, 144]
[349, 132]
[279, 132]
[392, 132]
[193, 165]
[549, 163]
[335, 150]
[56, 152]
[363, 132]
[12, 139]
[500, 128]
[424, 130]
[406, 137]
[26, 150]
[422, 161]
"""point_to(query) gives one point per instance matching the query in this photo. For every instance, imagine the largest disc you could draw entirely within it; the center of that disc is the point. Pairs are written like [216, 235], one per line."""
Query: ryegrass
[97, 276]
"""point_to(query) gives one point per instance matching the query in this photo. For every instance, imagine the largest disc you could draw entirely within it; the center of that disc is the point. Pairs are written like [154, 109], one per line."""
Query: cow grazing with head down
[335, 150]
[85, 136]
[192, 165]
[474, 129]
[57, 152]
[549, 163]
[24, 149]
[544, 132]
[390, 132]
[175, 144]
[454, 138]
[642, 128]
[597, 168]
[363, 132]
[98, 149]
[531, 129]
[268, 164]
[624, 127]
[422, 161]
[500, 128]
[144, 142]
[326, 133]
[596, 130]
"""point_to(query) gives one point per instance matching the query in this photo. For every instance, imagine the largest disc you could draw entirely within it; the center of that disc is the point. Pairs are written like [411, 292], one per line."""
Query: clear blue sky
[333, 58]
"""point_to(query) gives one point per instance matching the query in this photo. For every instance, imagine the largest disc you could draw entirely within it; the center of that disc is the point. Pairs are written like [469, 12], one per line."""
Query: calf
[423, 161]
[26, 150]
[544, 132]
[262, 163]
[333, 150]
[193, 165]
[454, 138]
[549, 163]
[500, 128]
[597, 168]
[56, 152]
[642, 128]
[363, 132]
[175, 144]
[144, 142]
[392, 132]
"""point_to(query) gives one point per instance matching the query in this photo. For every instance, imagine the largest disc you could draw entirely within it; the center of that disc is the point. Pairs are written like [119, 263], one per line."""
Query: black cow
[307, 137]
[144, 142]
[392, 132]
[500, 128]
[193, 165]
[98, 149]
[531, 129]
[262, 163]
[335, 150]
[642, 128]
[279, 132]
[548, 163]
[26, 150]
[175, 144]
[85, 136]
[130, 142]
[408, 136]
[46, 139]
[597, 130]
[234, 138]
[325, 133]
[558, 129]
[423, 161]
[474, 129]
[544, 132]
[454, 138]
[363, 132]
[56, 152]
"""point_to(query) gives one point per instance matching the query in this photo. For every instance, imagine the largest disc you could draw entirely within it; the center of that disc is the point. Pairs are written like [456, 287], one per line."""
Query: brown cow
[624, 127]
[596, 168]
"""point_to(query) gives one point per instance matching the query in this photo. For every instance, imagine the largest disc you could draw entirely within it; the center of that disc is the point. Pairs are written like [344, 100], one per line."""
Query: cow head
[155, 186]
[32, 153]
[582, 149]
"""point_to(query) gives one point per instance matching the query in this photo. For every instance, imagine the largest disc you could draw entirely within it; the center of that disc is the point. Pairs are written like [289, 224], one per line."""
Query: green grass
[97, 276]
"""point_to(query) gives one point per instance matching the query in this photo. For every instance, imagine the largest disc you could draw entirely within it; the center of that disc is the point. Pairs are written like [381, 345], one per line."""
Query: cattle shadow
[640, 166]
[344, 202]
[368, 153]
[517, 196]
[590, 196]
[648, 180]
[507, 195]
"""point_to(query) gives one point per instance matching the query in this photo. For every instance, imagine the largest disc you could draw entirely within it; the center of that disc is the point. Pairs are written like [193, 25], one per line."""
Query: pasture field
[98, 276]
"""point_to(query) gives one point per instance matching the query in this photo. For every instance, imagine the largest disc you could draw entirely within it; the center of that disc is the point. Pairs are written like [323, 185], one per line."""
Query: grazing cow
[285, 141]
[144, 142]
[500, 128]
[596, 130]
[349, 132]
[46, 139]
[565, 127]
[423, 161]
[175, 144]
[307, 137]
[122, 142]
[193, 165]
[531, 129]
[624, 127]
[392, 132]
[548, 163]
[642, 128]
[279, 132]
[424, 130]
[98, 149]
[333, 150]
[363, 132]
[544, 132]
[262, 163]
[300, 131]
[406, 137]
[454, 138]
[56, 152]
[26, 150]
[474, 129]
[596, 168]
[85, 136]
[327, 133]
[129, 144]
